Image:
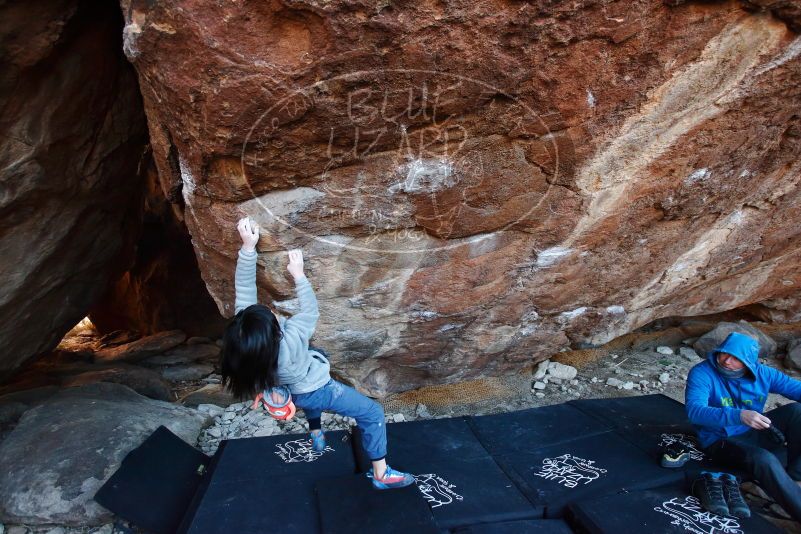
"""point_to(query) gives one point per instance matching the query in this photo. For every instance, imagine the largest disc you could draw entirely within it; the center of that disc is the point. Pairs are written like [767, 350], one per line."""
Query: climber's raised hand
[249, 232]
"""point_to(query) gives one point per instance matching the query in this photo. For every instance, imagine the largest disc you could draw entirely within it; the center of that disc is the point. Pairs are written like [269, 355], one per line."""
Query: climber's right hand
[249, 232]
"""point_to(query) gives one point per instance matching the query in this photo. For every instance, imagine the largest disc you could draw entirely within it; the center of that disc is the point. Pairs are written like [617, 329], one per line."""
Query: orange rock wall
[477, 185]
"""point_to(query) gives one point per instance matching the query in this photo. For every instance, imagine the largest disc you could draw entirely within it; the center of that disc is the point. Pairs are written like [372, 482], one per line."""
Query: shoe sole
[679, 461]
[388, 487]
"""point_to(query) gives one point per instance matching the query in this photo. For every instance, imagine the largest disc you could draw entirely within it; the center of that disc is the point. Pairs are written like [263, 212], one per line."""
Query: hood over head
[742, 347]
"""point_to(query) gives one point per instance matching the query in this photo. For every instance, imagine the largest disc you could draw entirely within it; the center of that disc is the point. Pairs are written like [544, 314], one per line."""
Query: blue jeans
[344, 400]
[753, 452]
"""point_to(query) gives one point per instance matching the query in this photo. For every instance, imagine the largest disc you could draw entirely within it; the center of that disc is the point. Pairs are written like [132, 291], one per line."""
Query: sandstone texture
[72, 133]
[85, 224]
[477, 186]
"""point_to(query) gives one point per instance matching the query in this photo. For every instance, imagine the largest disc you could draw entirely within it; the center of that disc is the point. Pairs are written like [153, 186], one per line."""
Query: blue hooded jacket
[709, 404]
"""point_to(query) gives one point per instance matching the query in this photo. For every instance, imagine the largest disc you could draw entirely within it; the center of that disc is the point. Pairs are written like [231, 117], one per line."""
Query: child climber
[261, 353]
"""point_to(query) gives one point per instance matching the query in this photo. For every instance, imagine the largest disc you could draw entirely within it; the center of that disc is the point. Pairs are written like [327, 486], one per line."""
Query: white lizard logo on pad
[299, 450]
[569, 470]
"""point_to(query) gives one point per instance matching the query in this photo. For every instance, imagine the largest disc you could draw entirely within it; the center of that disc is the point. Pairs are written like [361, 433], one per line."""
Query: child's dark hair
[249, 358]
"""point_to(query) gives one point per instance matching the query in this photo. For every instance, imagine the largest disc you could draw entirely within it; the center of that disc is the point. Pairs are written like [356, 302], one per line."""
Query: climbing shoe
[708, 488]
[318, 440]
[675, 455]
[392, 479]
[734, 499]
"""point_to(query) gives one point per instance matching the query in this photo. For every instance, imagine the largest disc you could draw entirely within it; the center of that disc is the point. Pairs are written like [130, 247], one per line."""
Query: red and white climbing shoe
[392, 479]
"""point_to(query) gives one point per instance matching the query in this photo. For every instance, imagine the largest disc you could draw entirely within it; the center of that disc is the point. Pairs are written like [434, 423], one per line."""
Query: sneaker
[709, 490]
[318, 440]
[734, 499]
[675, 455]
[392, 479]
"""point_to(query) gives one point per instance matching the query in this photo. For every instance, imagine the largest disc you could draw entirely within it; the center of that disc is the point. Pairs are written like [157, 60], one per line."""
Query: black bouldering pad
[665, 509]
[268, 504]
[584, 468]
[435, 437]
[527, 430]
[351, 504]
[267, 484]
[155, 482]
[648, 410]
[461, 482]
[530, 526]
[285, 455]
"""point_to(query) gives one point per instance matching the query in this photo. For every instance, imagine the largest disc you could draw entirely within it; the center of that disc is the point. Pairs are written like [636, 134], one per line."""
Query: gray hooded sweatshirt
[299, 368]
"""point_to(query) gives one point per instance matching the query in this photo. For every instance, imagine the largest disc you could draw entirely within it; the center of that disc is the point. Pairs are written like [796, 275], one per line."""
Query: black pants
[754, 453]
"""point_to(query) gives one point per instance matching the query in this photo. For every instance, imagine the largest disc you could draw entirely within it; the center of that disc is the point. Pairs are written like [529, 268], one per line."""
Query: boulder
[182, 373]
[186, 354]
[516, 203]
[712, 339]
[62, 451]
[209, 394]
[793, 358]
[142, 348]
[144, 381]
[72, 136]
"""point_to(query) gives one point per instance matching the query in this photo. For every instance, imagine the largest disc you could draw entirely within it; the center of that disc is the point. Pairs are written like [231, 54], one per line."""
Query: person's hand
[295, 266]
[754, 419]
[249, 232]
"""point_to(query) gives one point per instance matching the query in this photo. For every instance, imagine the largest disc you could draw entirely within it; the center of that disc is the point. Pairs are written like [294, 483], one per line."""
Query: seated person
[725, 399]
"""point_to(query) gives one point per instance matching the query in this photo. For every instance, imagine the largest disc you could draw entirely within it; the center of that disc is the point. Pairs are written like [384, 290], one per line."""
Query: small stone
[398, 418]
[215, 432]
[538, 385]
[422, 411]
[228, 416]
[540, 394]
[574, 382]
[57, 530]
[17, 529]
[562, 371]
[664, 378]
[664, 350]
[594, 380]
[211, 409]
[750, 487]
[563, 388]
[628, 386]
[614, 356]
[779, 511]
[219, 343]
[614, 382]
[553, 379]
[542, 370]
[689, 354]
[108, 528]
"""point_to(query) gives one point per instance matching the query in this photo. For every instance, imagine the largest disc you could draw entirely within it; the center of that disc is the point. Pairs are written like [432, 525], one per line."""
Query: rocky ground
[186, 370]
